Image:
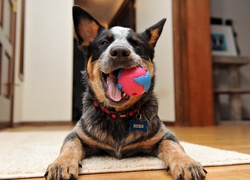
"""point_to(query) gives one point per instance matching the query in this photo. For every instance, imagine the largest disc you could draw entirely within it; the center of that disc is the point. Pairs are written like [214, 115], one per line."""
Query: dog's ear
[153, 33]
[86, 27]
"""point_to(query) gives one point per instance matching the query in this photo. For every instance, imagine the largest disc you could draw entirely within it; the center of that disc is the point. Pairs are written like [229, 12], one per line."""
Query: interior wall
[147, 14]
[239, 12]
[47, 85]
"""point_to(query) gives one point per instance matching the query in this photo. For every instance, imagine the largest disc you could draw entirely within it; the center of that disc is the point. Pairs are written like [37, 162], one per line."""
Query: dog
[105, 124]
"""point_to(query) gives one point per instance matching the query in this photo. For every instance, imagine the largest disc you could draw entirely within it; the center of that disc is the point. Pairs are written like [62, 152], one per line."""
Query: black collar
[114, 114]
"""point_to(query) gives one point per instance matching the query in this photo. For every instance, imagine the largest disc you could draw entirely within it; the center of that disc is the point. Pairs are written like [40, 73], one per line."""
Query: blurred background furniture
[234, 90]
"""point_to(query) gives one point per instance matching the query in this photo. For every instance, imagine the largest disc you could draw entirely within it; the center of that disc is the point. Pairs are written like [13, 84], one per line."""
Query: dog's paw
[63, 168]
[187, 169]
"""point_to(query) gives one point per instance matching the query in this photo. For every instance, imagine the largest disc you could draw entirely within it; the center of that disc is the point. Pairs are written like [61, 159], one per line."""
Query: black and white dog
[104, 128]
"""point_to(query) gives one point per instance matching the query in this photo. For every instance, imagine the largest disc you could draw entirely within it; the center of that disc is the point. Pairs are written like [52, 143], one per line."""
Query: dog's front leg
[179, 163]
[66, 166]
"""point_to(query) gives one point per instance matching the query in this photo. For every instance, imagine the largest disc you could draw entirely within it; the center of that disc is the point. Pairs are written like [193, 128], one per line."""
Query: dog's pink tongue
[114, 93]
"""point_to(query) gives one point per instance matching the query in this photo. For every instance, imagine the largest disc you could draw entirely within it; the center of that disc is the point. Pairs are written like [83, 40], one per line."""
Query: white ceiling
[102, 10]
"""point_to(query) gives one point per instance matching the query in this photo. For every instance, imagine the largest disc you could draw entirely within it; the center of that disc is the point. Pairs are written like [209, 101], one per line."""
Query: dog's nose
[119, 52]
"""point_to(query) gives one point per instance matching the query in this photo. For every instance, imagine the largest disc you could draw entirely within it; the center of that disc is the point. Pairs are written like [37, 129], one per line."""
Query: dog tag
[138, 125]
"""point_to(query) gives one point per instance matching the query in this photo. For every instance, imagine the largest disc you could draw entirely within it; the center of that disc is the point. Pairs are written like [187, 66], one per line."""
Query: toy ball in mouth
[134, 81]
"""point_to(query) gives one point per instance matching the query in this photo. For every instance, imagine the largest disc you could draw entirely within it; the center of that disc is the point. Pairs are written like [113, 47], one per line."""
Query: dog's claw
[201, 175]
[180, 177]
[46, 174]
[168, 168]
[205, 171]
[72, 177]
[193, 176]
[192, 172]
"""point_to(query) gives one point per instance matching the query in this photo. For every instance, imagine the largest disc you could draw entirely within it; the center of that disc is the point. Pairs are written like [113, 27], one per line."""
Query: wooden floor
[229, 137]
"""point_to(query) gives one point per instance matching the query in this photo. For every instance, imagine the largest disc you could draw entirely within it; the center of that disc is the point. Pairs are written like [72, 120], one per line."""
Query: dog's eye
[104, 42]
[135, 43]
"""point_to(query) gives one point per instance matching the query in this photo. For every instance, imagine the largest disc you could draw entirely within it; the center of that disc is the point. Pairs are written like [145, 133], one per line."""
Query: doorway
[109, 13]
[7, 56]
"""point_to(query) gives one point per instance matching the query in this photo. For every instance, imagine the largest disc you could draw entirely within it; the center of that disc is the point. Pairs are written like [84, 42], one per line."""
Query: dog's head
[107, 51]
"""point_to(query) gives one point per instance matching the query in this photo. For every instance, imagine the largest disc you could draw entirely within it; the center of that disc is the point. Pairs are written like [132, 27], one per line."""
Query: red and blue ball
[134, 81]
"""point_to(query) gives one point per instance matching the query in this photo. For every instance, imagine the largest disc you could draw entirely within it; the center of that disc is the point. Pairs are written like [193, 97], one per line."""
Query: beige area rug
[27, 154]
